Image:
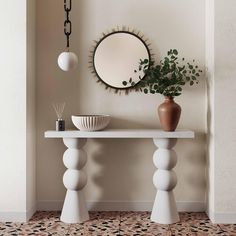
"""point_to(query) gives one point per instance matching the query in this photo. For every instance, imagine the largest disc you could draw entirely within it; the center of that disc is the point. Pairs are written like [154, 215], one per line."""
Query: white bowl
[91, 122]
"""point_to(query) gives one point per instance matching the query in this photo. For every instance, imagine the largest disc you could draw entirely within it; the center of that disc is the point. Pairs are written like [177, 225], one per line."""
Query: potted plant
[167, 78]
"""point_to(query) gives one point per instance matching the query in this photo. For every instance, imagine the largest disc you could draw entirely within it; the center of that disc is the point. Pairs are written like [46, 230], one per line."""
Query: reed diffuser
[59, 109]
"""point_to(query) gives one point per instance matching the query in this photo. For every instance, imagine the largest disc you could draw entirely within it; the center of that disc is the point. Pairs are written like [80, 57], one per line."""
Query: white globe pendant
[67, 61]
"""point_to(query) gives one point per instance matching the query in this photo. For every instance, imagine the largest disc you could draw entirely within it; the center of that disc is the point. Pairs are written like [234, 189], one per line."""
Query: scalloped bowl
[91, 122]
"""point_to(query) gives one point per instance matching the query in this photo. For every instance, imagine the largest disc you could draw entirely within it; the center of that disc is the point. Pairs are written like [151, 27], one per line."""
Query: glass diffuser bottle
[60, 123]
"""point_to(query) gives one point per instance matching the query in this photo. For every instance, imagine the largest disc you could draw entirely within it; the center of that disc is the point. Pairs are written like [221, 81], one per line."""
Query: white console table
[164, 209]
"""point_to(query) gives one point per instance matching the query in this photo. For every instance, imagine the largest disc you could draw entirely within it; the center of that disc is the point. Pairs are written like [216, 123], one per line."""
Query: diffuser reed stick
[59, 109]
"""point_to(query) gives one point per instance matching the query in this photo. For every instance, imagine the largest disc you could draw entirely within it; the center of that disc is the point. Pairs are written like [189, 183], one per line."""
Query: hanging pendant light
[67, 60]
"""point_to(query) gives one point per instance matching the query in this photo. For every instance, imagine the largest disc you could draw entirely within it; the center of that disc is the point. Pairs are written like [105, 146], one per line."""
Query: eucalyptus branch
[168, 77]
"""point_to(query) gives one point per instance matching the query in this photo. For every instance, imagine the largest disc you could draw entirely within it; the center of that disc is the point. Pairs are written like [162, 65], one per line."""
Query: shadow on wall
[209, 137]
[122, 171]
[119, 159]
[119, 177]
[192, 165]
[115, 165]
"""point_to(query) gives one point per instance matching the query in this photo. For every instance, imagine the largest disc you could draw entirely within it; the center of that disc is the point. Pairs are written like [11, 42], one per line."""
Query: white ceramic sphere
[74, 180]
[165, 159]
[67, 61]
[74, 158]
[165, 180]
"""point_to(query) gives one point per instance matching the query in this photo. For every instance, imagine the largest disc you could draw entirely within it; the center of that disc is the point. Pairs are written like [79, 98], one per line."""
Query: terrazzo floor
[115, 224]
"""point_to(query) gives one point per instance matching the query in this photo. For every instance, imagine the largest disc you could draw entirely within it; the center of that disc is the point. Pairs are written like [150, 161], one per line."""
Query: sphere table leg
[164, 209]
[74, 208]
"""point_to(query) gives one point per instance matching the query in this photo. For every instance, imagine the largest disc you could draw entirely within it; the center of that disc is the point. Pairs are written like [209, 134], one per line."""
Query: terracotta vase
[169, 114]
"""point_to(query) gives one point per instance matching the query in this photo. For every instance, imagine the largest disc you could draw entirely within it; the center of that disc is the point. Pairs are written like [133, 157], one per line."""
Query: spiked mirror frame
[127, 30]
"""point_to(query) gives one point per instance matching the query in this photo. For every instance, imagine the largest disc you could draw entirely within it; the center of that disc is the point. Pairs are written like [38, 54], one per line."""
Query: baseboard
[49, 205]
[121, 206]
[221, 218]
[191, 206]
[17, 216]
[217, 218]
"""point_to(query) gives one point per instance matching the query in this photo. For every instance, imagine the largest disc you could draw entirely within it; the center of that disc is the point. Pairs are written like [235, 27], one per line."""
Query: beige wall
[221, 111]
[118, 170]
[225, 114]
[17, 195]
[13, 108]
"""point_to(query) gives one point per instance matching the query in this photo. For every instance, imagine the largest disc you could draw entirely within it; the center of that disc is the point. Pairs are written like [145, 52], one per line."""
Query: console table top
[120, 133]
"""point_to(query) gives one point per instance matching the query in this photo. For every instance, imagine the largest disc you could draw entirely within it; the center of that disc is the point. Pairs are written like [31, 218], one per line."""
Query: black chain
[67, 23]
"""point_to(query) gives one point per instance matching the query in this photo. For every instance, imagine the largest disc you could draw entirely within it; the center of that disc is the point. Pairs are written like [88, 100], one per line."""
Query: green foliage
[168, 77]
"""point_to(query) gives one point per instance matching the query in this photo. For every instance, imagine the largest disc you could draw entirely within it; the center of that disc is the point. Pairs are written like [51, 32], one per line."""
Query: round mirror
[116, 58]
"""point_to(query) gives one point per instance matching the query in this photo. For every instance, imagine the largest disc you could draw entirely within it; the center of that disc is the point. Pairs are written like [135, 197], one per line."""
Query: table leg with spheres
[164, 208]
[74, 208]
